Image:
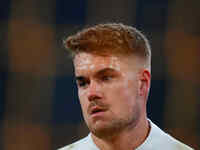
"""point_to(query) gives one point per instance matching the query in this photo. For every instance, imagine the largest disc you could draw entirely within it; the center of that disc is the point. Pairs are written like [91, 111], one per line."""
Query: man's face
[110, 91]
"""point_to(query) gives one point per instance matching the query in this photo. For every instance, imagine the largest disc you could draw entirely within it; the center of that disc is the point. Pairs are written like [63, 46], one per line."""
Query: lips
[96, 109]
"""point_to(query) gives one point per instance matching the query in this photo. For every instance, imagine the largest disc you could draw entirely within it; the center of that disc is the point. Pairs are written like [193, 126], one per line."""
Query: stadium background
[39, 108]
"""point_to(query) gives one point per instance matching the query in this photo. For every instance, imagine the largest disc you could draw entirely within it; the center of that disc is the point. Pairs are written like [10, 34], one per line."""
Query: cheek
[129, 87]
[124, 95]
[83, 100]
[81, 93]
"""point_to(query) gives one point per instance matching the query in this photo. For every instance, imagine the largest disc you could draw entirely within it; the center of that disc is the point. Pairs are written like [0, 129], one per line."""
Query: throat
[125, 140]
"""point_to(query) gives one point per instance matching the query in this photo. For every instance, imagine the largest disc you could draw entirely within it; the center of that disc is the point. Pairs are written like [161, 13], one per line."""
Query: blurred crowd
[39, 107]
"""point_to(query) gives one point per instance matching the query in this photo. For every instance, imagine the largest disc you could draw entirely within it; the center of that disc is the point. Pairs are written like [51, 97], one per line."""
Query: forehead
[91, 62]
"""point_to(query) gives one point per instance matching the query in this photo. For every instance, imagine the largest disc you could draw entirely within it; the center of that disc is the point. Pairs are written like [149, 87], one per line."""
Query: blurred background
[39, 107]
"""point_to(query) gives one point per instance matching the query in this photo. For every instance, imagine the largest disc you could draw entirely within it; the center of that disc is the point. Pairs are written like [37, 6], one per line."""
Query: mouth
[96, 110]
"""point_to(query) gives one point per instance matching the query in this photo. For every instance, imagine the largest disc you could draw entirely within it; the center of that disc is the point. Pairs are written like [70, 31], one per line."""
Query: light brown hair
[111, 38]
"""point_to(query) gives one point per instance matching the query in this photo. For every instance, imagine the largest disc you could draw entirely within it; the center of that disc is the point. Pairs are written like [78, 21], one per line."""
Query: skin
[117, 87]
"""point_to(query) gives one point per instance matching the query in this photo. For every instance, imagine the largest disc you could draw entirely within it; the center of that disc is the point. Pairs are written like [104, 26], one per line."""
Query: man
[113, 72]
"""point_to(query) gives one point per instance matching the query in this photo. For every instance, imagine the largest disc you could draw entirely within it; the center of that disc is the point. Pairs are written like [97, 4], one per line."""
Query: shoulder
[76, 145]
[167, 141]
[157, 139]
[174, 143]
[85, 143]
[170, 142]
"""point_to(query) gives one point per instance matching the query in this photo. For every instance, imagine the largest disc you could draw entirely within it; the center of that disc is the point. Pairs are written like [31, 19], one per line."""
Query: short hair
[111, 38]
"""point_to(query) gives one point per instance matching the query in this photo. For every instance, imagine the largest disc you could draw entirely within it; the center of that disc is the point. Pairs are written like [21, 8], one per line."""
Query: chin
[103, 130]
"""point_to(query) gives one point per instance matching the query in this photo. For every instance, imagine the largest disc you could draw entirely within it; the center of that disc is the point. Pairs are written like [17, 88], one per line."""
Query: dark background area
[39, 107]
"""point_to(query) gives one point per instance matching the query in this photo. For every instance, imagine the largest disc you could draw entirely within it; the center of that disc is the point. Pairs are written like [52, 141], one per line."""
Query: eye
[82, 83]
[106, 78]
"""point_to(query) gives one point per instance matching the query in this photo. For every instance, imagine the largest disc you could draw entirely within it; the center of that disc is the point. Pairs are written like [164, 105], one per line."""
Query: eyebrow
[105, 70]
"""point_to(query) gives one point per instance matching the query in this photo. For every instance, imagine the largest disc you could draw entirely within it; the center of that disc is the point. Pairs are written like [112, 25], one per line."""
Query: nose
[94, 91]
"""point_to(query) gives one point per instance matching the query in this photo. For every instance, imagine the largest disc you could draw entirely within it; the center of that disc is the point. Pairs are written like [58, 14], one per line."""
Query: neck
[127, 139]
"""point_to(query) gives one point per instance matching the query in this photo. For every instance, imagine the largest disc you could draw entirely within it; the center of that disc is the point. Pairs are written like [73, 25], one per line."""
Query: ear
[145, 80]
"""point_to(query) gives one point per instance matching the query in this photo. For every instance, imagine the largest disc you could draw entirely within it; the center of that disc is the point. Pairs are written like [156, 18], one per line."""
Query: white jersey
[156, 140]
